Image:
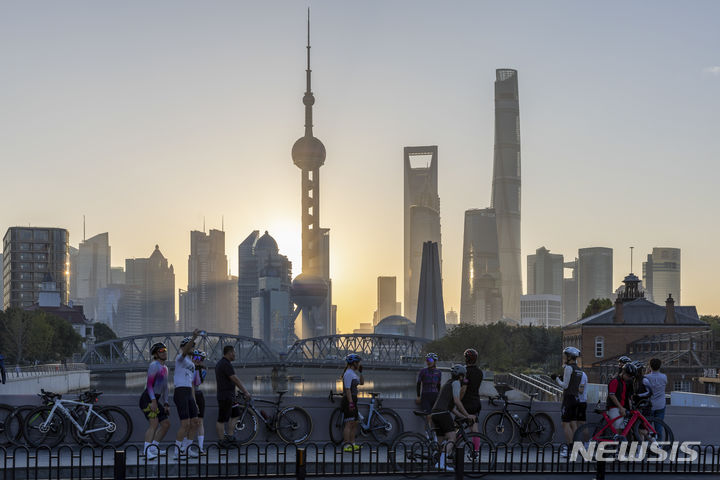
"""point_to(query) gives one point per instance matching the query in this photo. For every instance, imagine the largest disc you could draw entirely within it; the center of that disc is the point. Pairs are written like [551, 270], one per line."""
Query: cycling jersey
[351, 380]
[474, 380]
[200, 374]
[428, 380]
[622, 392]
[446, 398]
[157, 382]
[184, 371]
[570, 382]
[582, 396]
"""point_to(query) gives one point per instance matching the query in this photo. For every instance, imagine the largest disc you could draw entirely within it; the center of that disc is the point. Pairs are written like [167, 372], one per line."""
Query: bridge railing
[25, 371]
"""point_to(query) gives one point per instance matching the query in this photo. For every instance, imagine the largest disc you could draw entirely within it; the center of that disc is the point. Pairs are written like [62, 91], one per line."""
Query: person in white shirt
[658, 384]
[184, 397]
[581, 415]
[352, 377]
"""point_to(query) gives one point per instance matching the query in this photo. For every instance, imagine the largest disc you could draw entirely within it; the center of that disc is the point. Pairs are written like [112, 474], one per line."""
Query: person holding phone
[154, 401]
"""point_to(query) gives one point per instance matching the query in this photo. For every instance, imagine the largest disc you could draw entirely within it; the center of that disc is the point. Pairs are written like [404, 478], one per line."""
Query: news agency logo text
[681, 452]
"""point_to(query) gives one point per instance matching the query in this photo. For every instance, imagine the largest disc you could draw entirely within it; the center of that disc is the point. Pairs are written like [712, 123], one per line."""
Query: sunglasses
[199, 359]
[162, 350]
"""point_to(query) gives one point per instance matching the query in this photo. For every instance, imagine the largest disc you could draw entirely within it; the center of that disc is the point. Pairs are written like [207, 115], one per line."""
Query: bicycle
[292, 424]
[604, 431]
[412, 453]
[502, 426]
[383, 423]
[5, 412]
[45, 425]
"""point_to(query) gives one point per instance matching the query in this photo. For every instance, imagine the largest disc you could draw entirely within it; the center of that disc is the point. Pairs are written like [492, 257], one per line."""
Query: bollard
[460, 463]
[120, 464]
[600, 467]
[300, 469]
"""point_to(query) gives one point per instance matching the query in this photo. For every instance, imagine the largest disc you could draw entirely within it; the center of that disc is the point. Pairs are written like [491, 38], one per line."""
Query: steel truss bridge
[377, 351]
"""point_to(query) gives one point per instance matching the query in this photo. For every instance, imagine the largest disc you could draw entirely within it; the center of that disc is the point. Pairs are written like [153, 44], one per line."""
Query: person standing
[471, 397]
[428, 384]
[226, 383]
[658, 384]
[352, 378]
[200, 373]
[570, 384]
[154, 401]
[581, 414]
[184, 397]
[619, 394]
[3, 375]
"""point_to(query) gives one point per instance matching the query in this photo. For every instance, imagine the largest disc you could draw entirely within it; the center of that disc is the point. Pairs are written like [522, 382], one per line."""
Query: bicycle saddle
[532, 395]
[281, 392]
[599, 410]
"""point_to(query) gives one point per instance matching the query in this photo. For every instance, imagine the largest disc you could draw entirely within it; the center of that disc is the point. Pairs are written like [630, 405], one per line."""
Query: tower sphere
[308, 153]
[309, 290]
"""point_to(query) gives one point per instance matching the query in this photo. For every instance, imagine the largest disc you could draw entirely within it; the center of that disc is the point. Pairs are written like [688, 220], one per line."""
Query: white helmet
[571, 352]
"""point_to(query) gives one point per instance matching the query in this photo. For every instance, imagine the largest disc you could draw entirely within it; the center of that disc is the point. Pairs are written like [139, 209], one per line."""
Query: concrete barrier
[688, 423]
[55, 381]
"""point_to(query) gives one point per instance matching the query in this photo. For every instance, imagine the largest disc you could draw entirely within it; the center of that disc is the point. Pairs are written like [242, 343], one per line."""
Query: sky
[148, 117]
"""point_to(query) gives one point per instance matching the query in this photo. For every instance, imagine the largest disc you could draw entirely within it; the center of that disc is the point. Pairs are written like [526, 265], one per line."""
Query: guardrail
[316, 460]
[528, 386]
[18, 371]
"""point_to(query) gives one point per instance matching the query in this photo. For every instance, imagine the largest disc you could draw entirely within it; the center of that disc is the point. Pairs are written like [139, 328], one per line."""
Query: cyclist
[570, 384]
[471, 397]
[352, 377]
[449, 401]
[428, 385]
[619, 393]
[200, 373]
[226, 382]
[154, 401]
[183, 396]
[658, 383]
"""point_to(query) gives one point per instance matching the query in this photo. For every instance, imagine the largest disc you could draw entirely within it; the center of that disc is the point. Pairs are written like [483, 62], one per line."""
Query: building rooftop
[643, 312]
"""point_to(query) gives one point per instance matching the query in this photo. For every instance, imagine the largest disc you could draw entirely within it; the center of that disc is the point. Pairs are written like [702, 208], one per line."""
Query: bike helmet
[157, 346]
[432, 356]
[624, 359]
[458, 370]
[630, 369]
[571, 352]
[352, 358]
[640, 366]
[471, 356]
[185, 341]
[199, 353]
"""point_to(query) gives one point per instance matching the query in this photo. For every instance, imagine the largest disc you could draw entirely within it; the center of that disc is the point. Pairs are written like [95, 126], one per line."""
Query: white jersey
[184, 371]
[582, 396]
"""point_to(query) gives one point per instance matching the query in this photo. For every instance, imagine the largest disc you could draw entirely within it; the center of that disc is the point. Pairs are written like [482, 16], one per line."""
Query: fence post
[120, 464]
[460, 463]
[300, 469]
[600, 467]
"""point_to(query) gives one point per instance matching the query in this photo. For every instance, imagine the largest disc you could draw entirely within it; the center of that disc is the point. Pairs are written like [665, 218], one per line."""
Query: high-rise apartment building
[386, 298]
[155, 280]
[29, 254]
[542, 310]
[92, 272]
[421, 216]
[506, 189]
[545, 273]
[570, 294]
[661, 275]
[207, 301]
[480, 297]
[595, 271]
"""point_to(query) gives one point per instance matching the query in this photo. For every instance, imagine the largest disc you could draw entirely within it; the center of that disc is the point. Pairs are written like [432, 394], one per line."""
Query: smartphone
[203, 333]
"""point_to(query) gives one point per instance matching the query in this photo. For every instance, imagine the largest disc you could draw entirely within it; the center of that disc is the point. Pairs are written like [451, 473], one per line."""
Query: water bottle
[516, 417]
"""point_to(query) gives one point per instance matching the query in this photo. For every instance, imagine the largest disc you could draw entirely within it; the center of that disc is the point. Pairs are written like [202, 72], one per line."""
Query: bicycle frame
[636, 416]
[521, 424]
[59, 405]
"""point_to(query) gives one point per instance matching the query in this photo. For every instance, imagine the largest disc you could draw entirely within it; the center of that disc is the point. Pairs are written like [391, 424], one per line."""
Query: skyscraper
[570, 294]
[386, 298]
[595, 271]
[29, 254]
[155, 281]
[206, 301]
[506, 188]
[308, 155]
[92, 272]
[545, 273]
[421, 216]
[480, 298]
[661, 275]
[430, 308]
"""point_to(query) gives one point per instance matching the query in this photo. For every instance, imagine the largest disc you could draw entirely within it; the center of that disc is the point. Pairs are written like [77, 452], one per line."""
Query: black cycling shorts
[144, 404]
[225, 408]
[581, 412]
[349, 415]
[443, 422]
[472, 405]
[200, 401]
[185, 403]
[569, 408]
[427, 401]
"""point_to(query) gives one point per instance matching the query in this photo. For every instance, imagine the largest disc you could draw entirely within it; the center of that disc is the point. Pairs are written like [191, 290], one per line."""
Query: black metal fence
[313, 460]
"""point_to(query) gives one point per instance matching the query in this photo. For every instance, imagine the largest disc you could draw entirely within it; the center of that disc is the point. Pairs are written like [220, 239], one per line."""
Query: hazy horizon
[148, 118]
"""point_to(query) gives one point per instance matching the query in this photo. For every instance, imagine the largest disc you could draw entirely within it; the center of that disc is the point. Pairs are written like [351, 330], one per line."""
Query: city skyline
[128, 132]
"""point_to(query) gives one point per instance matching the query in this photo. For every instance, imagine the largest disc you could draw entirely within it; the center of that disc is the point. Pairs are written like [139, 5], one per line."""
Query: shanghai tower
[506, 189]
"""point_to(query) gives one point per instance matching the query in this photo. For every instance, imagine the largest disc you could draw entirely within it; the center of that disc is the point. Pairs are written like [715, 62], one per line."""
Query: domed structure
[266, 242]
[308, 153]
[395, 325]
[309, 290]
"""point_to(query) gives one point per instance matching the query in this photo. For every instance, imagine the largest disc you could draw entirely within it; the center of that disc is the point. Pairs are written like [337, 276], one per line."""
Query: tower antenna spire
[83, 228]
[308, 98]
[631, 259]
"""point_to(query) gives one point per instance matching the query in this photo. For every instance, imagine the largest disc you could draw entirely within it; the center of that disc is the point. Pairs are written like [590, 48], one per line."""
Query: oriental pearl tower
[312, 289]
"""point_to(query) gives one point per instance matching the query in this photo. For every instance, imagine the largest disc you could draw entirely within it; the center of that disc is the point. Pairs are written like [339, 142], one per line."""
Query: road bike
[383, 423]
[413, 453]
[503, 426]
[5, 412]
[46, 425]
[635, 427]
[292, 424]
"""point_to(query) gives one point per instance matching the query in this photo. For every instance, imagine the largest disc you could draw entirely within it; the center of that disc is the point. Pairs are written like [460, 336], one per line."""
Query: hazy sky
[147, 116]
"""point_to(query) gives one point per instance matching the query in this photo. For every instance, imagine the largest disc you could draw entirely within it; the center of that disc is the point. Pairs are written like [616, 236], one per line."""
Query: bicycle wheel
[540, 428]
[385, 425]
[411, 454]
[336, 426]
[39, 431]
[117, 432]
[245, 427]
[500, 428]
[5, 412]
[592, 432]
[664, 433]
[294, 425]
[479, 454]
[14, 425]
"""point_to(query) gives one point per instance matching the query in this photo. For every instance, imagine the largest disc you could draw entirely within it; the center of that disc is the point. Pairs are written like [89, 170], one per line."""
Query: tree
[103, 332]
[25, 334]
[596, 305]
[65, 340]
